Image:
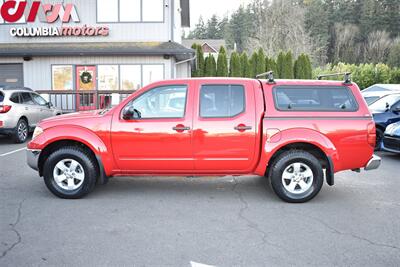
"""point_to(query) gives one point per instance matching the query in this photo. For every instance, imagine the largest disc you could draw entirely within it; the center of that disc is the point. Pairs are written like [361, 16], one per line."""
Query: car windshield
[385, 103]
[371, 99]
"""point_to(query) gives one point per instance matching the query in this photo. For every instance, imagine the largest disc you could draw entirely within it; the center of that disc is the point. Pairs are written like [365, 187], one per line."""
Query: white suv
[20, 110]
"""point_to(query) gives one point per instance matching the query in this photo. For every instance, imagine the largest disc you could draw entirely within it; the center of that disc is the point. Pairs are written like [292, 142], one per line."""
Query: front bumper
[7, 131]
[391, 144]
[373, 163]
[32, 158]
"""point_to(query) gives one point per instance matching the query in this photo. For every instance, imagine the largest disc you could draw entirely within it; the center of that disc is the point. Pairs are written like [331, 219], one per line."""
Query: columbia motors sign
[21, 11]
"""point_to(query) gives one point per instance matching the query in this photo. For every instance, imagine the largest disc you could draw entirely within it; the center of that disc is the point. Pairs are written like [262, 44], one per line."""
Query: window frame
[126, 21]
[349, 91]
[186, 86]
[225, 117]
[73, 70]
[22, 99]
[18, 94]
[37, 95]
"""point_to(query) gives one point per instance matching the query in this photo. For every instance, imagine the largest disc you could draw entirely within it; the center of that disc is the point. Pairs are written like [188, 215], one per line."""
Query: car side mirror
[49, 105]
[130, 113]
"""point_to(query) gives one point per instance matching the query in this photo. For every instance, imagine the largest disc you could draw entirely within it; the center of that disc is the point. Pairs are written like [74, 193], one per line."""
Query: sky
[206, 8]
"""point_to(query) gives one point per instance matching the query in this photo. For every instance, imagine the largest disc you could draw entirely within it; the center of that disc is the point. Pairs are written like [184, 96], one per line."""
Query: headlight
[390, 129]
[37, 132]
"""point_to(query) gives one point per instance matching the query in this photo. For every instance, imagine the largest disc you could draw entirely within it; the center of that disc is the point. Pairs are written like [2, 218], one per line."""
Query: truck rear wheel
[296, 176]
[70, 173]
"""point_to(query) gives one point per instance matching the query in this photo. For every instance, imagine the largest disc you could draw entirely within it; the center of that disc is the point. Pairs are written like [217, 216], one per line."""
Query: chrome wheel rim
[68, 174]
[297, 178]
[22, 131]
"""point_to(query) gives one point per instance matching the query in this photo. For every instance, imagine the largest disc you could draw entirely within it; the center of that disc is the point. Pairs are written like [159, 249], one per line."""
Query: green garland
[86, 77]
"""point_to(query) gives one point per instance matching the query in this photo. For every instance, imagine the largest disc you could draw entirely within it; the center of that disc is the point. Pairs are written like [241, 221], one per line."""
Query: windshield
[371, 99]
[385, 103]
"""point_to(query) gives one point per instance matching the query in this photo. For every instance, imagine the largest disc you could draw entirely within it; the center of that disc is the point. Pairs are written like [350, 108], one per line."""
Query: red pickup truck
[296, 133]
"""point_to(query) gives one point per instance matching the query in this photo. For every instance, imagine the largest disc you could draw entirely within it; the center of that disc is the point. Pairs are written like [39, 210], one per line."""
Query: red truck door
[224, 127]
[161, 140]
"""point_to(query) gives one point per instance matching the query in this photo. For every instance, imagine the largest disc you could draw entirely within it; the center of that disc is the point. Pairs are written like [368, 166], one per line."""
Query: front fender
[280, 139]
[78, 134]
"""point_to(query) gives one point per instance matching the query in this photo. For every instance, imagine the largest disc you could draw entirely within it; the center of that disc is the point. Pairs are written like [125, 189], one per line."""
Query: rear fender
[280, 139]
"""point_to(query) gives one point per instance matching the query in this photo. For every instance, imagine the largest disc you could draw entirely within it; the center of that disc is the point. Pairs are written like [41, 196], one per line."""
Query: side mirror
[130, 113]
[49, 105]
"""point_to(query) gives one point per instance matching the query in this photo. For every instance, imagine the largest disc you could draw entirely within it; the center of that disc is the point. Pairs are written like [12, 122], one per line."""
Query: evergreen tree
[288, 69]
[253, 65]
[308, 67]
[222, 63]
[195, 71]
[270, 65]
[260, 62]
[210, 69]
[200, 61]
[244, 66]
[234, 65]
[280, 64]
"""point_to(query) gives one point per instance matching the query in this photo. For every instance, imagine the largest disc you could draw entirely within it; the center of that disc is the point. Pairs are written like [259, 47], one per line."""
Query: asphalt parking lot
[180, 221]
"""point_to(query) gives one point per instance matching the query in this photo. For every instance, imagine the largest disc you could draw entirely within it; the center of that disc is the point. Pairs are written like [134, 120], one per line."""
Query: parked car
[296, 133]
[372, 97]
[385, 111]
[382, 88]
[21, 109]
[391, 139]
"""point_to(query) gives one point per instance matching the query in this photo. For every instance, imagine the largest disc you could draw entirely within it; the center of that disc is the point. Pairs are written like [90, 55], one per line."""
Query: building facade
[90, 54]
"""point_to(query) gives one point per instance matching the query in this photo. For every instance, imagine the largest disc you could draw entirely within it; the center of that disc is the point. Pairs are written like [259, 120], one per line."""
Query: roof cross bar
[347, 76]
[269, 75]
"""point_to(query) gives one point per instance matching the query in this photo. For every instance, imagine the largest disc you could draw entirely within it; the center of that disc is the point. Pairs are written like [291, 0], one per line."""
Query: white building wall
[124, 31]
[37, 72]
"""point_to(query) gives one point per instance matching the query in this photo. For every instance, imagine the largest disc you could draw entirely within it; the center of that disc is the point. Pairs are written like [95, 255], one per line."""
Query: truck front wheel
[70, 172]
[296, 176]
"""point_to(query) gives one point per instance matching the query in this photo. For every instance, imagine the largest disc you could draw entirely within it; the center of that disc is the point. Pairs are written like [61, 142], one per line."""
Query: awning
[97, 49]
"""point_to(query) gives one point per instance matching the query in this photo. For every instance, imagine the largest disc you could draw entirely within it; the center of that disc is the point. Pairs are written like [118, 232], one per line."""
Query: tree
[222, 63]
[195, 71]
[377, 47]
[245, 70]
[239, 28]
[200, 31]
[302, 67]
[270, 65]
[200, 61]
[253, 65]
[234, 65]
[280, 64]
[210, 69]
[394, 55]
[288, 69]
[260, 62]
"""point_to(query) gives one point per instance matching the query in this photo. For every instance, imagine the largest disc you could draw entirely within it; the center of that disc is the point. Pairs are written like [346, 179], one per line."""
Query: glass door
[86, 78]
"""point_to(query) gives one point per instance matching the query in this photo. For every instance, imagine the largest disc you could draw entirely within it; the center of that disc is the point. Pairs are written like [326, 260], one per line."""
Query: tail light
[371, 136]
[5, 109]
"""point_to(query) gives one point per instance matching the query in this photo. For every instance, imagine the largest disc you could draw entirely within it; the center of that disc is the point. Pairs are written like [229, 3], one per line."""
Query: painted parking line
[12, 152]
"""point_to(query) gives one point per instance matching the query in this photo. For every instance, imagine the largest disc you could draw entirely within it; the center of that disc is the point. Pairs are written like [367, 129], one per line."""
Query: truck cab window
[162, 102]
[221, 101]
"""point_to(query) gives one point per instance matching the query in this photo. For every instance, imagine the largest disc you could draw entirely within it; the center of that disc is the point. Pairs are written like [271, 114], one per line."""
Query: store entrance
[86, 97]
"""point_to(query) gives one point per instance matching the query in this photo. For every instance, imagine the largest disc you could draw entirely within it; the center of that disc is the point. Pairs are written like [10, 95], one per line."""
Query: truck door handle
[243, 128]
[180, 128]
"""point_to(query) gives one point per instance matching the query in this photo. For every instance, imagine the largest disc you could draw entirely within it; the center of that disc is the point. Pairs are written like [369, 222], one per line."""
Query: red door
[224, 127]
[86, 88]
[160, 141]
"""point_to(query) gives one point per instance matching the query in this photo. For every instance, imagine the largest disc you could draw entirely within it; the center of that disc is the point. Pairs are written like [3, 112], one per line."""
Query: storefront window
[129, 10]
[108, 77]
[152, 73]
[153, 10]
[62, 77]
[107, 10]
[131, 77]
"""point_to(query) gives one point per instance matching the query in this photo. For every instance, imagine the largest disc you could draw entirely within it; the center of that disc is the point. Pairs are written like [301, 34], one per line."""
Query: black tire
[84, 159]
[379, 139]
[284, 161]
[21, 132]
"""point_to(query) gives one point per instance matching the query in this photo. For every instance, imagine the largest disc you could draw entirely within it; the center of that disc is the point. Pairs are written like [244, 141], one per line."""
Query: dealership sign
[13, 11]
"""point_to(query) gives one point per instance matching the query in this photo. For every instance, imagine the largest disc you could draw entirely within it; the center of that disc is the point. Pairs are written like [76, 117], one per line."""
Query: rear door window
[15, 98]
[314, 98]
[27, 99]
[221, 101]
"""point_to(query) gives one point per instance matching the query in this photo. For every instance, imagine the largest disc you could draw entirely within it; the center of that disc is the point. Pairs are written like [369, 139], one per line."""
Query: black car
[391, 139]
